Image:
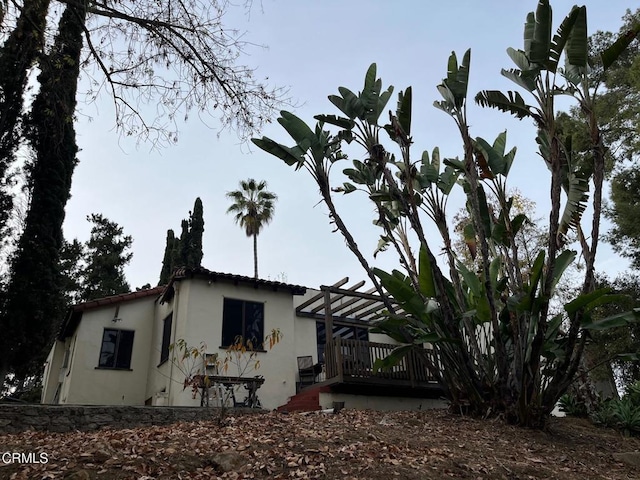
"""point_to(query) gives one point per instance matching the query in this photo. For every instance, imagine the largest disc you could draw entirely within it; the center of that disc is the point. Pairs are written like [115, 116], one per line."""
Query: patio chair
[306, 371]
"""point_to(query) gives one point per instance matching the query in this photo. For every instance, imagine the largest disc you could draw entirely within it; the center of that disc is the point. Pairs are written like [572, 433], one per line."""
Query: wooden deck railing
[346, 358]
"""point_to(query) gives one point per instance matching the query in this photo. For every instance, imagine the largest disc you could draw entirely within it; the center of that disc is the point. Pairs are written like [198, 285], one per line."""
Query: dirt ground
[348, 445]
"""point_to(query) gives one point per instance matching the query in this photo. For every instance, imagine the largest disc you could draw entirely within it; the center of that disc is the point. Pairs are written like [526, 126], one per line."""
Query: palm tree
[253, 207]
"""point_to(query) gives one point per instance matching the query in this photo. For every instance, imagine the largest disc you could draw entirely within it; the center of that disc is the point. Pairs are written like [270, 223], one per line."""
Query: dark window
[67, 354]
[242, 319]
[166, 338]
[116, 348]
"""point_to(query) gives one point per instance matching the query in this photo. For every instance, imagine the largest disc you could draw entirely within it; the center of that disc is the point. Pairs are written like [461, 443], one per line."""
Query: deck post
[411, 360]
[328, 315]
[339, 359]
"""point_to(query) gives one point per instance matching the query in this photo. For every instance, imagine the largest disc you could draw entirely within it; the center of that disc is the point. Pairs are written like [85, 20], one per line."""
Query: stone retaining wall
[58, 418]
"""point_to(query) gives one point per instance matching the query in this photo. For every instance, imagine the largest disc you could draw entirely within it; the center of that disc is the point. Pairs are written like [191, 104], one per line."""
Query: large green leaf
[297, 128]
[447, 179]
[399, 286]
[508, 160]
[369, 95]
[560, 39]
[403, 113]
[425, 275]
[529, 29]
[457, 79]
[523, 79]
[577, 47]
[494, 154]
[471, 280]
[348, 103]
[485, 215]
[536, 275]
[290, 156]
[563, 260]
[469, 234]
[512, 103]
[517, 222]
[341, 122]
[392, 359]
[519, 58]
[584, 300]
[435, 159]
[394, 326]
[383, 99]
[619, 320]
[427, 169]
[611, 54]
[429, 337]
[577, 196]
[552, 348]
[500, 143]
[628, 357]
[539, 46]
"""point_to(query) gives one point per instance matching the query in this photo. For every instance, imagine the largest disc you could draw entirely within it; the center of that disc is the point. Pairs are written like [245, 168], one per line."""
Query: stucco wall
[88, 385]
[52, 371]
[159, 376]
[199, 320]
[197, 307]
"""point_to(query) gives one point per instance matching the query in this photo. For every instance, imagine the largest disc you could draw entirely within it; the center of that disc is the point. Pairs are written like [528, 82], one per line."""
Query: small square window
[116, 349]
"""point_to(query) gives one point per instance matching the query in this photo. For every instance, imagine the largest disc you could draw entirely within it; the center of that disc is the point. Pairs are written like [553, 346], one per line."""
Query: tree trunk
[255, 256]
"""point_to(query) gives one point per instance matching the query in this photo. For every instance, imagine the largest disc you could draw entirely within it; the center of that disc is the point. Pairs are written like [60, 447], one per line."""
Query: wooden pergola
[350, 361]
[344, 304]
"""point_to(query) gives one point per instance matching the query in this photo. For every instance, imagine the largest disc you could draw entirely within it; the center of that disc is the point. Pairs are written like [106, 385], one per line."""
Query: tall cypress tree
[17, 56]
[196, 224]
[185, 251]
[167, 261]
[184, 244]
[34, 303]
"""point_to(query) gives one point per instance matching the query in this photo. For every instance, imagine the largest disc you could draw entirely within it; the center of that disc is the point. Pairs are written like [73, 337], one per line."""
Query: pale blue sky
[312, 48]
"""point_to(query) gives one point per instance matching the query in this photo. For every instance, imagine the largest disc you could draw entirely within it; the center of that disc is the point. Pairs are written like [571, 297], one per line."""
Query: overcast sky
[313, 47]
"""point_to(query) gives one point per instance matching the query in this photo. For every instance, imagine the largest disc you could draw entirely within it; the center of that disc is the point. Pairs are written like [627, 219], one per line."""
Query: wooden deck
[352, 361]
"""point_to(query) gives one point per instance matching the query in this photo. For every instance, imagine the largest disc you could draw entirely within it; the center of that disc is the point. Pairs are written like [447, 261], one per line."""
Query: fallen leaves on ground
[350, 445]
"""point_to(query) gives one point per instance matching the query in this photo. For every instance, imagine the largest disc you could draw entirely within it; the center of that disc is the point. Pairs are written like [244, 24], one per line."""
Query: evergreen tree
[17, 56]
[624, 212]
[105, 258]
[184, 244]
[34, 304]
[203, 57]
[614, 343]
[72, 257]
[618, 110]
[196, 223]
[185, 251]
[167, 261]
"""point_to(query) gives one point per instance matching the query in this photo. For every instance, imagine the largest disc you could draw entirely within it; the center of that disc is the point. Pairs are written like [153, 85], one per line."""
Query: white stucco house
[116, 350]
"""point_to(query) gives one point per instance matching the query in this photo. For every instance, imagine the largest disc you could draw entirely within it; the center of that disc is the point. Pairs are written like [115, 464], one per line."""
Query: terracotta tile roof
[165, 292]
[183, 273]
[123, 297]
[74, 313]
